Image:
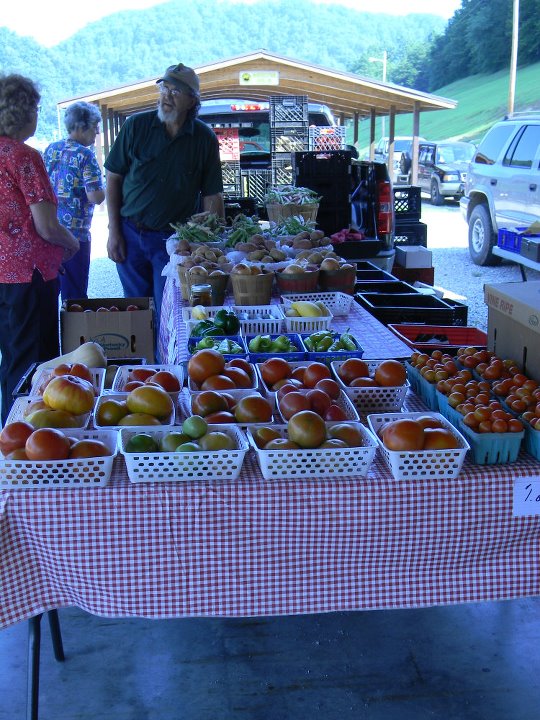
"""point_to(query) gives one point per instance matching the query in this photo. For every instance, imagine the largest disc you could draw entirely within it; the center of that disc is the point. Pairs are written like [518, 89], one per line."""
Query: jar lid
[201, 288]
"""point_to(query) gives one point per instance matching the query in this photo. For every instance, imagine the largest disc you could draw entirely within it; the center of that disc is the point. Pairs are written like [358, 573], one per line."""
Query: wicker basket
[297, 282]
[183, 278]
[218, 283]
[277, 212]
[342, 280]
[252, 289]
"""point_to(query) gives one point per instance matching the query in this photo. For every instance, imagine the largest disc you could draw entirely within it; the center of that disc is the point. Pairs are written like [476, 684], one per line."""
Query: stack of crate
[330, 175]
[229, 154]
[289, 133]
[410, 231]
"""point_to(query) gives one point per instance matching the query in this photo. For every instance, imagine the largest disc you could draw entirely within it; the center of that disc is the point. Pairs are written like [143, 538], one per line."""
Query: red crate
[457, 336]
[229, 144]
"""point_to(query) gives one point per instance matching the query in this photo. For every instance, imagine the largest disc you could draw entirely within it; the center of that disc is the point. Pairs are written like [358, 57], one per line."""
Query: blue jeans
[146, 256]
[74, 279]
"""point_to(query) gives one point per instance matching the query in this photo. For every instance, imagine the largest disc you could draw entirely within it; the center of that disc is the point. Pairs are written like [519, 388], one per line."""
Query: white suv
[503, 184]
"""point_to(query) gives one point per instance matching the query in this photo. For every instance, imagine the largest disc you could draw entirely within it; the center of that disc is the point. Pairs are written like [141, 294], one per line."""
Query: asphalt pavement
[455, 272]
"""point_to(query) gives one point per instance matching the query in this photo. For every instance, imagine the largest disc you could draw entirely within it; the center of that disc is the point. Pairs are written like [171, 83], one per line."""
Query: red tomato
[253, 409]
[165, 379]
[274, 369]
[314, 372]
[221, 416]
[335, 413]
[205, 363]
[88, 449]
[47, 444]
[439, 439]
[363, 382]
[405, 434]
[69, 393]
[319, 401]
[150, 400]
[218, 382]
[207, 402]
[81, 370]
[390, 373]
[353, 368]
[14, 436]
[292, 403]
[330, 387]
[132, 384]
[306, 429]
[239, 377]
[349, 433]
[242, 364]
[141, 373]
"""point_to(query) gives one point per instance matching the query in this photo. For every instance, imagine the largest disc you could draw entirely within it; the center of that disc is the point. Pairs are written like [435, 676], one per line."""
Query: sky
[52, 22]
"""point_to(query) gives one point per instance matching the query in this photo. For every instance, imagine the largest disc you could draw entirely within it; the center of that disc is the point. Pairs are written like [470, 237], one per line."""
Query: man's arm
[48, 227]
[116, 245]
[96, 197]
[215, 204]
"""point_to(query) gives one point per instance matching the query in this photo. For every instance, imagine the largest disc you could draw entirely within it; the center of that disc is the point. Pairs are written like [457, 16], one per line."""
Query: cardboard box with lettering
[514, 323]
[122, 333]
[413, 256]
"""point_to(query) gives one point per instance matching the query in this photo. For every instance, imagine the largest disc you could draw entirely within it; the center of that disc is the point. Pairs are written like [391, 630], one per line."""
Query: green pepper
[308, 342]
[348, 342]
[205, 343]
[336, 346]
[282, 344]
[324, 344]
[255, 344]
[265, 344]
[316, 337]
[227, 321]
[199, 329]
[212, 331]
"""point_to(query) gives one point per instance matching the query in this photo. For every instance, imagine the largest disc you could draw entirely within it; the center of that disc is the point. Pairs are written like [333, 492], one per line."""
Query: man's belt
[141, 227]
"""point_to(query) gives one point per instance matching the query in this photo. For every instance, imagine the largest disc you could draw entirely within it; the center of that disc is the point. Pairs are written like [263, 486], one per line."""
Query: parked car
[399, 173]
[442, 168]
[502, 189]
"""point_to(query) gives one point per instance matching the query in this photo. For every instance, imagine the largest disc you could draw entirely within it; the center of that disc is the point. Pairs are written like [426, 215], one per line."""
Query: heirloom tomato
[70, 393]
[404, 434]
[165, 379]
[307, 429]
[150, 400]
[87, 448]
[47, 444]
[253, 409]
[205, 363]
[14, 436]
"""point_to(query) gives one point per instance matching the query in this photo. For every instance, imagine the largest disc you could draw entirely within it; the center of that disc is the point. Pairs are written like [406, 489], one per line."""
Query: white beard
[166, 116]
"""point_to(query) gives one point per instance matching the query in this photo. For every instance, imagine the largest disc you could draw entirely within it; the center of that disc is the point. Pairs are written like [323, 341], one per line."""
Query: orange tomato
[47, 444]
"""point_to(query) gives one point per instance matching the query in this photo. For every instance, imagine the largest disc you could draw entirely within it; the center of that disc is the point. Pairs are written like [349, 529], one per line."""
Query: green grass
[482, 101]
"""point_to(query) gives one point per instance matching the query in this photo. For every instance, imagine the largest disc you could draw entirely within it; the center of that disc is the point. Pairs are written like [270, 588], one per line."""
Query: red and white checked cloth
[255, 547]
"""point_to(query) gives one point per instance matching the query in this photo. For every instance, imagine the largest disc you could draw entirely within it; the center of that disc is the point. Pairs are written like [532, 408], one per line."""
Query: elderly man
[163, 167]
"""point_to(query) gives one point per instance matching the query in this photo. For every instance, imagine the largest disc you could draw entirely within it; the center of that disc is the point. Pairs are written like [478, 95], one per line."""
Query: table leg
[56, 635]
[34, 646]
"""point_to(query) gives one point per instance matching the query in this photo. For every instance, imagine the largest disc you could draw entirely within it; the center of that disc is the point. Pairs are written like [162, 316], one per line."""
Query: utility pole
[384, 61]
[513, 57]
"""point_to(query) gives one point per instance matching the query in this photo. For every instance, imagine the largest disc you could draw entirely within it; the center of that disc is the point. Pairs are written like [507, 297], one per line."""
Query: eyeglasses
[166, 90]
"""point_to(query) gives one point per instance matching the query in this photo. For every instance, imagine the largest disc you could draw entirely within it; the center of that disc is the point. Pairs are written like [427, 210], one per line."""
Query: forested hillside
[424, 52]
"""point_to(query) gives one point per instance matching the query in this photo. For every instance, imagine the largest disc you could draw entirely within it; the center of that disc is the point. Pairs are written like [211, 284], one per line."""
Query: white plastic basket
[201, 465]
[270, 394]
[210, 312]
[420, 464]
[337, 302]
[305, 324]
[343, 401]
[259, 319]
[122, 396]
[123, 375]
[60, 474]
[21, 404]
[372, 399]
[45, 374]
[319, 463]
[186, 410]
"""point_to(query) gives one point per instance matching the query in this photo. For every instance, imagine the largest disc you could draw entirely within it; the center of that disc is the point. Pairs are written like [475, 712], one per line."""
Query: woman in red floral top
[33, 244]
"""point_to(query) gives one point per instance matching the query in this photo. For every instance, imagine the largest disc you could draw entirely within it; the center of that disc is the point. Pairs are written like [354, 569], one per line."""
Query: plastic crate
[308, 324]
[530, 248]
[359, 249]
[461, 311]
[426, 391]
[532, 441]
[420, 464]
[319, 463]
[282, 170]
[322, 139]
[192, 342]
[288, 110]
[493, 448]
[121, 397]
[329, 357]
[384, 286]
[448, 338]
[255, 183]
[407, 203]
[185, 466]
[410, 233]
[229, 144]
[510, 240]
[258, 357]
[123, 376]
[343, 401]
[372, 399]
[316, 164]
[61, 474]
[252, 321]
[231, 175]
[406, 308]
[289, 139]
[21, 405]
[338, 303]
[210, 312]
[369, 275]
[45, 374]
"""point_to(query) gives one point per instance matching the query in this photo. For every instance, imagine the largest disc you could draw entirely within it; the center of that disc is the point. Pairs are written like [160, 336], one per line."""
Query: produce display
[268, 344]
[328, 341]
[224, 322]
[224, 346]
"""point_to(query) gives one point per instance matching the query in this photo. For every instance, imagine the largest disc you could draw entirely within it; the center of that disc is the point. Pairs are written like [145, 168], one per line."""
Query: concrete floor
[469, 662]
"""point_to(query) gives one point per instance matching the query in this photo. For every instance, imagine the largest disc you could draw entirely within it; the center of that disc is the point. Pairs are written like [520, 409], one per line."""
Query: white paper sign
[527, 496]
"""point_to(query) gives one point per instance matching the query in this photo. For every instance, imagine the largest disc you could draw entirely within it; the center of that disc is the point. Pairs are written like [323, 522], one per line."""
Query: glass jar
[200, 295]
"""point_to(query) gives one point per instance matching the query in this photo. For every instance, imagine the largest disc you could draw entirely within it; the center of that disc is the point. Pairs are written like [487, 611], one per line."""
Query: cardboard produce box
[514, 323]
[413, 256]
[123, 333]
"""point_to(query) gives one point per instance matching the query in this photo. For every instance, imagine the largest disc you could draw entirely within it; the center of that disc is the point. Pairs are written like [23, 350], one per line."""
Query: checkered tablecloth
[255, 547]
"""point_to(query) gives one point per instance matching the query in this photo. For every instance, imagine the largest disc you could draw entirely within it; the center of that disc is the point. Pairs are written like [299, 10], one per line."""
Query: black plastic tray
[407, 308]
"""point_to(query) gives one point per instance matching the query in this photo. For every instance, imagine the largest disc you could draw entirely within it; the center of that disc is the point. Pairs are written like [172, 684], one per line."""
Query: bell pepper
[199, 329]
[227, 322]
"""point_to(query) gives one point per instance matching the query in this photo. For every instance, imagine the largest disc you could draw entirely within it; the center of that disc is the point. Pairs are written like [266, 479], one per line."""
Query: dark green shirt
[164, 176]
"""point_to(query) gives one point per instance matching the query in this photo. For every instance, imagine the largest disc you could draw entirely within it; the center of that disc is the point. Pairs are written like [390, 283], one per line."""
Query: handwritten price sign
[527, 496]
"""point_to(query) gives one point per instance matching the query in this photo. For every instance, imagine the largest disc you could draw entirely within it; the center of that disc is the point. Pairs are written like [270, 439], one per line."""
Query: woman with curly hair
[33, 244]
